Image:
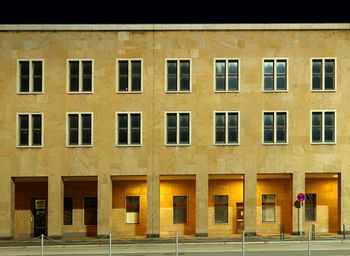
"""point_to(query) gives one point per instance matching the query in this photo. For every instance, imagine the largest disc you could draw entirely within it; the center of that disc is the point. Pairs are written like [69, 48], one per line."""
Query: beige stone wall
[153, 47]
[234, 190]
[121, 189]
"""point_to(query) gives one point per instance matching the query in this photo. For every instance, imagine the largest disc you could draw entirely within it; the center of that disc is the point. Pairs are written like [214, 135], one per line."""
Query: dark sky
[173, 11]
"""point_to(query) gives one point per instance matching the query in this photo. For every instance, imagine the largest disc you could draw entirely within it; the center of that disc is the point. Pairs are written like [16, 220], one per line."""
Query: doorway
[39, 216]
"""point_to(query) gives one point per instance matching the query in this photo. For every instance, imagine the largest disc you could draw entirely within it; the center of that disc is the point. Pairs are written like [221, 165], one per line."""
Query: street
[285, 248]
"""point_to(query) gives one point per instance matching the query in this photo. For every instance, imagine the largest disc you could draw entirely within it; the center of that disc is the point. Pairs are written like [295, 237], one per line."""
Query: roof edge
[173, 27]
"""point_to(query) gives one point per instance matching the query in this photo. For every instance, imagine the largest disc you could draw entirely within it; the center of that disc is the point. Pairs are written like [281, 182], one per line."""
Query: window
[275, 128]
[90, 210]
[323, 127]
[30, 130]
[68, 210]
[129, 75]
[221, 209]
[79, 129]
[323, 74]
[226, 75]
[178, 128]
[80, 76]
[226, 128]
[275, 75]
[132, 209]
[310, 207]
[180, 209]
[30, 76]
[268, 207]
[128, 129]
[178, 75]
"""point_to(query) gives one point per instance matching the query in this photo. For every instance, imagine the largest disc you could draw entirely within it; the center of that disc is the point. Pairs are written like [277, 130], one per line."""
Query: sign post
[301, 197]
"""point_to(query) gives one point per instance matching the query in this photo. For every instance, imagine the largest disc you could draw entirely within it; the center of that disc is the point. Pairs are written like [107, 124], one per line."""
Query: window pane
[87, 84]
[73, 129]
[87, 76]
[132, 208]
[329, 119]
[329, 66]
[37, 72]
[123, 83]
[136, 75]
[179, 209]
[310, 207]
[24, 76]
[184, 129]
[220, 128]
[220, 83]
[86, 129]
[268, 67]
[329, 82]
[281, 68]
[86, 120]
[184, 67]
[123, 75]
[281, 83]
[316, 119]
[68, 211]
[221, 209]
[122, 129]
[268, 127]
[74, 76]
[316, 82]
[233, 67]
[135, 128]
[329, 134]
[220, 68]
[24, 130]
[172, 67]
[268, 119]
[268, 82]
[268, 207]
[316, 67]
[171, 128]
[74, 68]
[317, 127]
[87, 68]
[281, 132]
[329, 127]
[123, 67]
[36, 123]
[185, 84]
[233, 83]
[172, 83]
[316, 134]
[233, 128]
[90, 211]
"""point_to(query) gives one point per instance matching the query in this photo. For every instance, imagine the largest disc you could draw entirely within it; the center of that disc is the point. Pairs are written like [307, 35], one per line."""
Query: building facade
[148, 130]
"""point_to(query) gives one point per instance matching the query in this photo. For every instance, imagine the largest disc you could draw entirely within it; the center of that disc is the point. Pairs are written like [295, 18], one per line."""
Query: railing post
[42, 245]
[308, 244]
[110, 244]
[282, 232]
[343, 231]
[243, 243]
[177, 244]
[313, 232]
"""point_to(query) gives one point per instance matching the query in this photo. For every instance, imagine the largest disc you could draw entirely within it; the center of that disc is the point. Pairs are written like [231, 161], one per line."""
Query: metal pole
[42, 244]
[177, 243]
[110, 244]
[308, 244]
[343, 231]
[301, 219]
[243, 243]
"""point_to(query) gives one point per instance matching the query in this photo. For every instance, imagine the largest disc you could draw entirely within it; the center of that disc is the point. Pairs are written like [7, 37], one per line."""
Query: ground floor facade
[161, 205]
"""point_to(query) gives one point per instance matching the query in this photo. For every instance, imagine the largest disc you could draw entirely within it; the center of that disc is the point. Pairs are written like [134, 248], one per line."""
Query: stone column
[104, 205]
[7, 208]
[202, 205]
[250, 180]
[298, 187]
[55, 195]
[153, 205]
[344, 200]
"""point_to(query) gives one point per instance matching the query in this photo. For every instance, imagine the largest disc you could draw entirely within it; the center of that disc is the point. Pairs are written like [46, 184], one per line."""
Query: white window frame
[323, 59]
[226, 128]
[80, 76]
[129, 130]
[31, 76]
[275, 127]
[323, 128]
[80, 145]
[177, 129]
[275, 74]
[226, 74]
[129, 75]
[30, 130]
[178, 75]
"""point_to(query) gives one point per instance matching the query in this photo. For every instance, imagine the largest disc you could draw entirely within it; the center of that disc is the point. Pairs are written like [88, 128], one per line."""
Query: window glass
[172, 75]
[310, 207]
[24, 130]
[86, 129]
[221, 209]
[24, 76]
[136, 75]
[281, 133]
[179, 209]
[90, 211]
[87, 76]
[132, 208]
[268, 207]
[329, 127]
[135, 128]
[68, 210]
[73, 129]
[122, 129]
[232, 128]
[184, 75]
[220, 128]
[74, 76]
[171, 128]
[37, 76]
[123, 75]
[36, 129]
[184, 129]
[316, 127]
[268, 127]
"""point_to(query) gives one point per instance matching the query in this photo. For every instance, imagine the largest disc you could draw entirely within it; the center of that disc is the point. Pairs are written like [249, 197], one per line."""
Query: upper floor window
[30, 76]
[323, 127]
[275, 128]
[128, 129]
[80, 76]
[226, 75]
[79, 127]
[178, 75]
[129, 75]
[275, 75]
[226, 128]
[178, 128]
[30, 130]
[323, 74]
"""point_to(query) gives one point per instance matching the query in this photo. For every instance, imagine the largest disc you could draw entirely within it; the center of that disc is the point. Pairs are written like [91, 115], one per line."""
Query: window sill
[275, 91]
[177, 145]
[323, 143]
[227, 91]
[275, 144]
[129, 92]
[30, 93]
[30, 146]
[323, 90]
[72, 93]
[129, 145]
[174, 92]
[79, 146]
[226, 144]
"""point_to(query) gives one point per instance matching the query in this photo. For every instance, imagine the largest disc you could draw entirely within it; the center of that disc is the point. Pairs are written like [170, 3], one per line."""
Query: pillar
[298, 187]
[104, 205]
[153, 206]
[55, 207]
[202, 205]
[344, 200]
[250, 181]
[7, 208]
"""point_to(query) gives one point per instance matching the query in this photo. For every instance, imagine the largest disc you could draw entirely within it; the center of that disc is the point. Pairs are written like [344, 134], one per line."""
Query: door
[39, 213]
